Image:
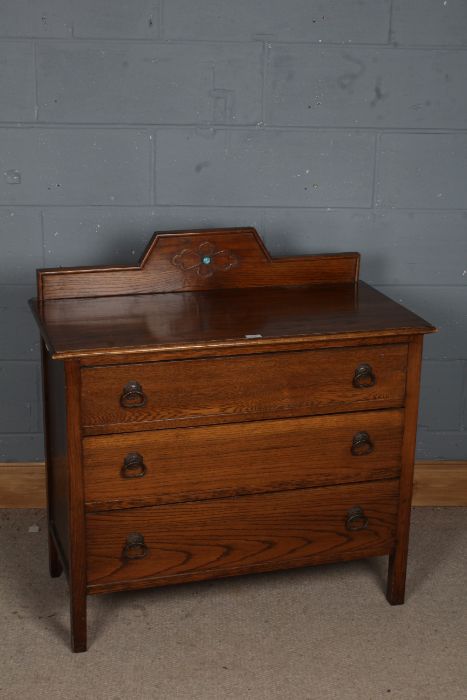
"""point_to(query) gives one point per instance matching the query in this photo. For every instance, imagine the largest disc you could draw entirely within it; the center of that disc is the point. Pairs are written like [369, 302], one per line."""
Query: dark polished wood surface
[198, 260]
[242, 388]
[223, 317]
[233, 535]
[206, 412]
[397, 569]
[54, 407]
[240, 458]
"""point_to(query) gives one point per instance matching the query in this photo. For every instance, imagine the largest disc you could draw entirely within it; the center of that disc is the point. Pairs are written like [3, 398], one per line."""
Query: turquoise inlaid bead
[206, 260]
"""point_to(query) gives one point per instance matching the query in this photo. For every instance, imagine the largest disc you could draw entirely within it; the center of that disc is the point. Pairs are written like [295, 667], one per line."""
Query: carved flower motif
[205, 260]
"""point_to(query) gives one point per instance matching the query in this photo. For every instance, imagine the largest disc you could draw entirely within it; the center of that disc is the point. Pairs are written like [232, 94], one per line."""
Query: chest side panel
[55, 419]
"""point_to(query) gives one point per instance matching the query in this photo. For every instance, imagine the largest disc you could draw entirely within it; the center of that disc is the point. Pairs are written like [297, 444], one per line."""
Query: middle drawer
[186, 464]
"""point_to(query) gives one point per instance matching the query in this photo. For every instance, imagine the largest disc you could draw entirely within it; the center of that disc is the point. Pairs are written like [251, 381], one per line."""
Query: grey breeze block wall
[330, 126]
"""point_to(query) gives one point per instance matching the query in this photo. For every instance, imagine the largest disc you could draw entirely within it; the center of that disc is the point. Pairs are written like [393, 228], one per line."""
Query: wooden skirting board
[22, 484]
[440, 484]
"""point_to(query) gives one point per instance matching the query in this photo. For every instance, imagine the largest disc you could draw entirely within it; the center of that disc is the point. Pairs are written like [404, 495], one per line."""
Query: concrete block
[75, 166]
[441, 395]
[21, 252]
[464, 407]
[430, 22]
[445, 445]
[150, 83]
[387, 87]
[48, 18]
[19, 339]
[138, 19]
[19, 405]
[427, 171]
[21, 447]
[118, 235]
[259, 167]
[418, 247]
[17, 87]
[397, 246]
[338, 21]
[445, 308]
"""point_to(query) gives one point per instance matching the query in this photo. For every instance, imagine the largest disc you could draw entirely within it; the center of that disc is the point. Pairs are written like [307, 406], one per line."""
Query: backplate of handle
[135, 547]
[364, 376]
[356, 519]
[133, 396]
[361, 444]
[133, 466]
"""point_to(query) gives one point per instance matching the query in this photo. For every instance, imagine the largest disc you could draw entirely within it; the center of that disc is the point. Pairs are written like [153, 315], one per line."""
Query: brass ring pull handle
[364, 377]
[135, 547]
[133, 396]
[356, 519]
[361, 445]
[133, 466]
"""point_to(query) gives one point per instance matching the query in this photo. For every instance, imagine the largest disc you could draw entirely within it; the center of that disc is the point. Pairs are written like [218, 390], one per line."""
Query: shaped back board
[183, 261]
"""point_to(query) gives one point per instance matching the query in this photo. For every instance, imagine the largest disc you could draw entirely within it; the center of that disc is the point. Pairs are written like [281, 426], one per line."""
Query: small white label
[254, 335]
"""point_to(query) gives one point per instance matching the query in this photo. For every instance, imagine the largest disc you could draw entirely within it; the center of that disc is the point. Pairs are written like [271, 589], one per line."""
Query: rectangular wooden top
[220, 318]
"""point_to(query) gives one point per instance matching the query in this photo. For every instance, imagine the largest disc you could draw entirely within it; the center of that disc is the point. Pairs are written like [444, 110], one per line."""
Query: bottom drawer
[157, 545]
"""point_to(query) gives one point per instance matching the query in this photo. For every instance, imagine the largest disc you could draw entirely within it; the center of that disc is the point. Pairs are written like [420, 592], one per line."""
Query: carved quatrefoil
[205, 260]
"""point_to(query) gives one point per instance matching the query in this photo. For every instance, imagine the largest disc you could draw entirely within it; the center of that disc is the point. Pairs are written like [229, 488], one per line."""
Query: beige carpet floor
[320, 633]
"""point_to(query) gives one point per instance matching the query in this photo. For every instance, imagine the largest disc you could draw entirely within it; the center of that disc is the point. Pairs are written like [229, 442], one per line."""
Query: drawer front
[188, 464]
[142, 547]
[194, 392]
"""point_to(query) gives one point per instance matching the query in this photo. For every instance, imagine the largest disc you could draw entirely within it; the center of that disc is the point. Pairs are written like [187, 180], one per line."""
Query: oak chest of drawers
[213, 412]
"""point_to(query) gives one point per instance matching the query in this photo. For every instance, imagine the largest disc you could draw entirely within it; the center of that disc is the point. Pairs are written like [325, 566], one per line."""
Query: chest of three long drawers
[220, 466]
[213, 411]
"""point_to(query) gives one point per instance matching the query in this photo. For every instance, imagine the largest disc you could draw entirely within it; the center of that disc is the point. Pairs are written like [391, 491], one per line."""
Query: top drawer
[248, 387]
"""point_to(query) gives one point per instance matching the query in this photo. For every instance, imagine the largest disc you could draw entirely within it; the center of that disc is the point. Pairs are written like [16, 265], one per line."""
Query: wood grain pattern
[440, 483]
[222, 537]
[173, 260]
[244, 369]
[397, 570]
[240, 458]
[54, 414]
[22, 485]
[436, 483]
[242, 388]
[55, 556]
[250, 347]
[77, 534]
[219, 320]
